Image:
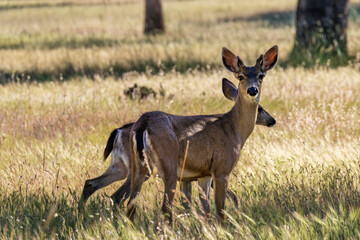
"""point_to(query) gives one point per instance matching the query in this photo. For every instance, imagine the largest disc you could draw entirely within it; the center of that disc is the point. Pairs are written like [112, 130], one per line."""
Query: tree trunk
[321, 27]
[154, 21]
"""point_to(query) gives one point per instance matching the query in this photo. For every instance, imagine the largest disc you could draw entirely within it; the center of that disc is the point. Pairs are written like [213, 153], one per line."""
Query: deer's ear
[229, 90]
[269, 59]
[230, 61]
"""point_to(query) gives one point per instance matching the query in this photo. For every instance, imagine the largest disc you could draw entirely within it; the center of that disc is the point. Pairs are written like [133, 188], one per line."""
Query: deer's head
[231, 92]
[250, 77]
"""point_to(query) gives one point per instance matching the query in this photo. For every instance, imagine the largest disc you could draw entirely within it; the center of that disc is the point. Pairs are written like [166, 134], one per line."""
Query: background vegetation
[65, 66]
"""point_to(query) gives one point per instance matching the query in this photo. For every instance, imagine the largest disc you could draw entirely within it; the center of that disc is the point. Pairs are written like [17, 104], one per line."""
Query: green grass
[298, 180]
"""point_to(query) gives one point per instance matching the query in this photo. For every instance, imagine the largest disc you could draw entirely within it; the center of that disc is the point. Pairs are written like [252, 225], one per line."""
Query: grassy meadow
[64, 68]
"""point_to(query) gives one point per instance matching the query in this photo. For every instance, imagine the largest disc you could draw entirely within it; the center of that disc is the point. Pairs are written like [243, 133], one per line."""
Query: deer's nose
[252, 91]
[271, 123]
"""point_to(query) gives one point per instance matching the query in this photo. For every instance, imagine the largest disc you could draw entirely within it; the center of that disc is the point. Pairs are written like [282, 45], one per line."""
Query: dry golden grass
[53, 135]
[298, 180]
[107, 38]
[306, 104]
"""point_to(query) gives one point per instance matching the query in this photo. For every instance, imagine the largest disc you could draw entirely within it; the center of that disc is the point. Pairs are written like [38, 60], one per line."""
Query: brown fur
[215, 140]
[92, 185]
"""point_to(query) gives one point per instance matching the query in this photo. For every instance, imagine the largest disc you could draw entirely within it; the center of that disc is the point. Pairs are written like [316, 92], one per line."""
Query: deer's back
[210, 139]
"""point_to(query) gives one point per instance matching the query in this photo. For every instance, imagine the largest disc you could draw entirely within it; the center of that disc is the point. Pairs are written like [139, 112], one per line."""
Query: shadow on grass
[69, 71]
[116, 70]
[354, 14]
[6, 7]
[325, 188]
[34, 5]
[311, 58]
[274, 18]
[24, 42]
[283, 18]
[268, 201]
[54, 41]
[45, 214]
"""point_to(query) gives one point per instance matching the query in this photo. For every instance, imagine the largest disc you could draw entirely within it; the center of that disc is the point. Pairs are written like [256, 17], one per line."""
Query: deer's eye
[241, 77]
[261, 77]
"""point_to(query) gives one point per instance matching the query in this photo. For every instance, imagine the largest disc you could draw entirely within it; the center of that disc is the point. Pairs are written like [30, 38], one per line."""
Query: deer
[215, 141]
[118, 146]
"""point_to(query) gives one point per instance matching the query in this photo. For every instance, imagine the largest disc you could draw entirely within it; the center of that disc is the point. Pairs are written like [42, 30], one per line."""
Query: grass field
[64, 67]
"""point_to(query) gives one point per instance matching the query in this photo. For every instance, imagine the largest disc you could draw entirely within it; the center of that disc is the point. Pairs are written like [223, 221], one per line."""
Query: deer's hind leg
[137, 179]
[123, 192]
[115, 172]
[163, 154]
[139, 172]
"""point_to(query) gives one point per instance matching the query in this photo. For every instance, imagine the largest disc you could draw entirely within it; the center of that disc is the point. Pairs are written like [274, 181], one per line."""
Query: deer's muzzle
[252, 91]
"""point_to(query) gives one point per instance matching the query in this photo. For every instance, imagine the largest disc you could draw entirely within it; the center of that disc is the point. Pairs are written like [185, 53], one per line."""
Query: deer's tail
[140, 142]
[110, 143]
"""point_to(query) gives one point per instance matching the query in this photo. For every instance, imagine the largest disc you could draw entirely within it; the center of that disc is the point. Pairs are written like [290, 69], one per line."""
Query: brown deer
[215, 140]
[118, 145]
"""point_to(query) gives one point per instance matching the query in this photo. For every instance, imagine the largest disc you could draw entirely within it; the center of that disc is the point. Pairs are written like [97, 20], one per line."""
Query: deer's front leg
[138, 177]
[204, 193]
[221, 183]
[185, 188]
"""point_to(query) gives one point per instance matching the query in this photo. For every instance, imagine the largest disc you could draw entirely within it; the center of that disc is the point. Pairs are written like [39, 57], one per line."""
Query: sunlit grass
[306, 168]
[43, 43]
[298, 180]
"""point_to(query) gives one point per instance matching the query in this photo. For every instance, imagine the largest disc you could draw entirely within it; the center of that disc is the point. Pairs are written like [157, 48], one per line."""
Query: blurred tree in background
[321, 31]
[154, 21]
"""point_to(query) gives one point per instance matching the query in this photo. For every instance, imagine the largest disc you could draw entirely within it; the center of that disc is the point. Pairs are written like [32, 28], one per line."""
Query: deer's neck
[243, 117]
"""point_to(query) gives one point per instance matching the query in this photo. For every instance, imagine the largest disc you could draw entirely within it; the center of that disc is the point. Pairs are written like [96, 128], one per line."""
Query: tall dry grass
[298, 180]
[64, 41]
[53, 135]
